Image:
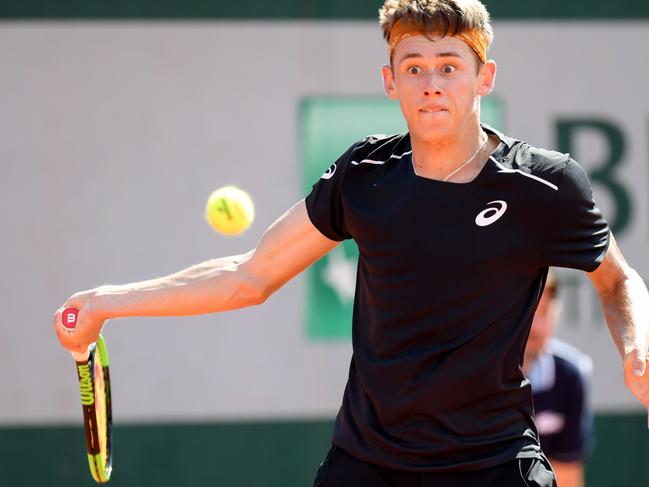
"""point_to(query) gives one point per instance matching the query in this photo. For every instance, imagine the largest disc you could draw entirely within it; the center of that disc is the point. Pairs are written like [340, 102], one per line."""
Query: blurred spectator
[560, 377]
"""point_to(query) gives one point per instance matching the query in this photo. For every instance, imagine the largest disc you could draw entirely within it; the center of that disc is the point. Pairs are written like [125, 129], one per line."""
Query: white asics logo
[490, 215]
[329, 172]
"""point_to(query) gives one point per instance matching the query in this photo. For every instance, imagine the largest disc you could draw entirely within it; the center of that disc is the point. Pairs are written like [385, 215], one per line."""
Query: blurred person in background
[560, 376]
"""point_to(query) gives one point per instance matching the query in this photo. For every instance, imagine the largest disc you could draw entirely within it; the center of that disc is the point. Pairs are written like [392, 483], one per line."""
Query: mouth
[432, 109]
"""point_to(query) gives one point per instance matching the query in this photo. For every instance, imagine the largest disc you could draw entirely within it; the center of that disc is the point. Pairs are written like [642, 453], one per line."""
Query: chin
[433, 132]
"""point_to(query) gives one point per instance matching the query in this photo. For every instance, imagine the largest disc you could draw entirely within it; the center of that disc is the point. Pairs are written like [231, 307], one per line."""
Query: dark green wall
[282, 454]
[300, 9]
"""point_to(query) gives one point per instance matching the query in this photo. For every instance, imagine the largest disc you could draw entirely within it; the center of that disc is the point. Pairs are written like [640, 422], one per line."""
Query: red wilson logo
[69, 318]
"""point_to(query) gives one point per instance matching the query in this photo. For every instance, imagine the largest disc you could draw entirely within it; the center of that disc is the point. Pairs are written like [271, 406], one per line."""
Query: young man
[560, 377]
[456, 225]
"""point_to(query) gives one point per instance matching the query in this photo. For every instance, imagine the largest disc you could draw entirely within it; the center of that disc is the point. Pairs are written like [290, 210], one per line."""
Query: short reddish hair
[439, 17]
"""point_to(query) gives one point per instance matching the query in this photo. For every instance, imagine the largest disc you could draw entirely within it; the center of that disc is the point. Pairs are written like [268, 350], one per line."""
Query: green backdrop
[301, 9]
[260, 454]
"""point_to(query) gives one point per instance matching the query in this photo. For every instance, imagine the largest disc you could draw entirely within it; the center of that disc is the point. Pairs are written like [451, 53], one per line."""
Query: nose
[432, 85]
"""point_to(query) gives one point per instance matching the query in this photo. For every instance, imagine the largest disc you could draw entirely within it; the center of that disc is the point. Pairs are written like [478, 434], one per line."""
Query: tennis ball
[229, 210]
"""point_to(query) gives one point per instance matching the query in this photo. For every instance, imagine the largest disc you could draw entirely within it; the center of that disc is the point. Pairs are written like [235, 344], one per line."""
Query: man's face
[437, 84]
[543, 326]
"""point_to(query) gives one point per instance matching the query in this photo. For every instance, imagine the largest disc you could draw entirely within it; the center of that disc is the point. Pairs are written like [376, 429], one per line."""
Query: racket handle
[69, 322]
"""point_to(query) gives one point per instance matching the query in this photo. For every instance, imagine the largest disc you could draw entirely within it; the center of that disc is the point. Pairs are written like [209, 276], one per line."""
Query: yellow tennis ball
[229, 210]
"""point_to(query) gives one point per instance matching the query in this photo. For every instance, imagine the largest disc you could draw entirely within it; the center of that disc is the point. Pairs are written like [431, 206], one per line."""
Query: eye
[414, 70]
[448, 69]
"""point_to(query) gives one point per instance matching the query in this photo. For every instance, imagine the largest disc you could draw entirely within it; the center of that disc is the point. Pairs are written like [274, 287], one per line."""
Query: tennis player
[560, 377]
[456, 225]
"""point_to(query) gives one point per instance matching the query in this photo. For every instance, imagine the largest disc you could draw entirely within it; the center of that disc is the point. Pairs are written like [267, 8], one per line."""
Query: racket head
[94, 383]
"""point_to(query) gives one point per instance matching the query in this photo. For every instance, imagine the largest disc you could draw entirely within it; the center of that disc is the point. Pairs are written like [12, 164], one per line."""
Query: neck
[439, 157]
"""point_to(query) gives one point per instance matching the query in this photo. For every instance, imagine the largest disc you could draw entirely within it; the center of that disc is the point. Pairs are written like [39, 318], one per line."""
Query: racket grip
[69, 322]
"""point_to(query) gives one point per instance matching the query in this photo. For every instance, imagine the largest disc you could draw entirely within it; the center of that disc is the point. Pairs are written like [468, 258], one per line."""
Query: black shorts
[340, 469]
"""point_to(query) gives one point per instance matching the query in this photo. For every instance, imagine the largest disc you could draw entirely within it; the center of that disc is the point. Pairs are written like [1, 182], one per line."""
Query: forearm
[215, 285]
[569, 474]
[626, 309]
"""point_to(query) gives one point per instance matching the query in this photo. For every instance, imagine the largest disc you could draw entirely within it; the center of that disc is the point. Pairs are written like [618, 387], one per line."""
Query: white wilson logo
[491, 214]
[71, 318]
[329, 172]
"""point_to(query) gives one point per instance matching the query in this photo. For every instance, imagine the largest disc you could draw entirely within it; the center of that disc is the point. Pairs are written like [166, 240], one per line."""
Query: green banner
[301, 9]
[329, 125]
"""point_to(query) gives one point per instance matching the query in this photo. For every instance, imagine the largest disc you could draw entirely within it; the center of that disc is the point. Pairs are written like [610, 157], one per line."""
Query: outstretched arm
[287, 247]
[625, 302]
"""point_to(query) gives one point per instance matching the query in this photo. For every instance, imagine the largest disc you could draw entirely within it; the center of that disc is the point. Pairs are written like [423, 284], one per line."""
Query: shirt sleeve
[578, 234]
[325, 202]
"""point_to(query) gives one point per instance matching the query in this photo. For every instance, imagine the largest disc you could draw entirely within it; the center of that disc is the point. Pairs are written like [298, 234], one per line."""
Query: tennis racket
[94, 383]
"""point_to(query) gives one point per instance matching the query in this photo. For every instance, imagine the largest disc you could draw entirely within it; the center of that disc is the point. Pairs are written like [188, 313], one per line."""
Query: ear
[388, 82]
[487, 78]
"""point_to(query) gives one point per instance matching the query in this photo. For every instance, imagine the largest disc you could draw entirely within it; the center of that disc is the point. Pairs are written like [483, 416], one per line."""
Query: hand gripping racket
[94, 383]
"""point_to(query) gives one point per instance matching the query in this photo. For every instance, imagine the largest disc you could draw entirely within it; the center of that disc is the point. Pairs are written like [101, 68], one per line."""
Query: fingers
[72, 325]
[62, 332]
[59, 328]
[639, 354]
[635, 361]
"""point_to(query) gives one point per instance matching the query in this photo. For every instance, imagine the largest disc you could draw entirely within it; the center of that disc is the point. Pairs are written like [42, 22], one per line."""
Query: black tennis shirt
[449, 276]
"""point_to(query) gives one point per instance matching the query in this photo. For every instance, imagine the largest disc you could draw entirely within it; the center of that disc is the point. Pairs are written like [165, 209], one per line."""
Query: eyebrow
[416, 55]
